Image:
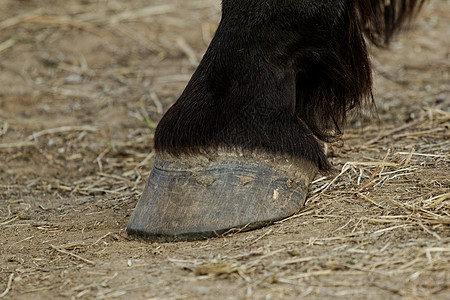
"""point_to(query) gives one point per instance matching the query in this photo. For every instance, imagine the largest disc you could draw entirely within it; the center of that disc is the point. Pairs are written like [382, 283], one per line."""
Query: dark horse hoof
[200, 196]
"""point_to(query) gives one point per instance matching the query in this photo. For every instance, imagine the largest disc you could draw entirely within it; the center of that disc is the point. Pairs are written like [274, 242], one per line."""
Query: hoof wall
[196, 197]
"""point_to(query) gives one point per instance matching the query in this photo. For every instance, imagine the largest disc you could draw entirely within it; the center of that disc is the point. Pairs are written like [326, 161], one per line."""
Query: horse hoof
[205, 195]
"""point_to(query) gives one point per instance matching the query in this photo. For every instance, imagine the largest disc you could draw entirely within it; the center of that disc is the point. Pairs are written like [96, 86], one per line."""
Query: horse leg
[238, 149]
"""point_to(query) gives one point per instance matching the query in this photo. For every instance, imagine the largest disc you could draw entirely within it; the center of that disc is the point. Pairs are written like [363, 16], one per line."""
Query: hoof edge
[197, 197]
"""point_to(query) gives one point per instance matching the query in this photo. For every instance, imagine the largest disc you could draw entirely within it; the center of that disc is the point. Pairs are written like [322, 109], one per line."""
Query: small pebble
[73, 79]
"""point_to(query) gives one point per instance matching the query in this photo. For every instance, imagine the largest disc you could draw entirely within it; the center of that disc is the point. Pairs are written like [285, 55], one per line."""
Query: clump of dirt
[83, 85]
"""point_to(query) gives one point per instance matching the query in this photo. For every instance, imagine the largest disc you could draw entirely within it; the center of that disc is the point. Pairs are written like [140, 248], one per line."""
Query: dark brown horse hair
[278, 75]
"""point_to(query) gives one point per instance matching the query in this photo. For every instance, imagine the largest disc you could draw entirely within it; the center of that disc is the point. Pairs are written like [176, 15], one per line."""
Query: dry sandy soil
[83, 84]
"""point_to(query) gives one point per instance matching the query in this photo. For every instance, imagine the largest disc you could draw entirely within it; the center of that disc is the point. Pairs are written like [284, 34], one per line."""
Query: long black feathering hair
[381, 19]
[340, 80]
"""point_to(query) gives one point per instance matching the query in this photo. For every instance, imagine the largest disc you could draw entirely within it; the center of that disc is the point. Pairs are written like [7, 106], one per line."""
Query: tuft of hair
[381, 19]
[339, 79]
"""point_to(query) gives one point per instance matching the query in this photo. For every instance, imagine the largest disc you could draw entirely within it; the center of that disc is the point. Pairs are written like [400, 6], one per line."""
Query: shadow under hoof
[205, 195]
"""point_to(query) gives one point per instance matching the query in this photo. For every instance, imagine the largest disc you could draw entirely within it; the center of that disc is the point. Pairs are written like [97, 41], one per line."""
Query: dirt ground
[83, 84]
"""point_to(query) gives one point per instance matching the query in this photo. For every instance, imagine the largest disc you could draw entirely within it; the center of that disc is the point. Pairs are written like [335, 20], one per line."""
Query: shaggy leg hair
[280, 74]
